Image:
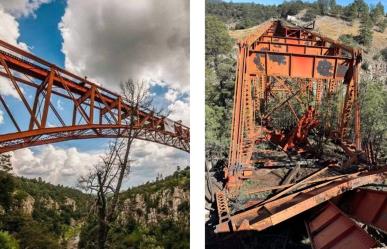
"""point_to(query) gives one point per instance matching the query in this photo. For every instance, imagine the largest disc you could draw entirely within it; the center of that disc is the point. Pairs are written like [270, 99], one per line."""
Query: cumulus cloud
[64, 166]
[151, 159]
[116, 40]
[179, 110]
[9, 32]
[19, 8]
[55, 165]
[111, 42]
[171, 95]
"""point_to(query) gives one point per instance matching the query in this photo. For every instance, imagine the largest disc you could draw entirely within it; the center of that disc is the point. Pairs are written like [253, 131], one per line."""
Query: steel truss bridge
[95, 111]
[280, 67]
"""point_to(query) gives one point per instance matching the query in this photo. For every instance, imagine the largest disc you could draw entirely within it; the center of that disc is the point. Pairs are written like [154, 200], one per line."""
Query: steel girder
[274, 55]
[96, 111]
[278, 209]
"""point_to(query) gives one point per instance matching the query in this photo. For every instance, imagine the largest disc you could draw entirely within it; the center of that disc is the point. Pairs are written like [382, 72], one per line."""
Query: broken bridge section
[95, 112]
[273, 172]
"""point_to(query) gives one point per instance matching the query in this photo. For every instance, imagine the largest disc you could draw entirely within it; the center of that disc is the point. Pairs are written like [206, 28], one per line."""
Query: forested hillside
[153, 215]
[38, 215]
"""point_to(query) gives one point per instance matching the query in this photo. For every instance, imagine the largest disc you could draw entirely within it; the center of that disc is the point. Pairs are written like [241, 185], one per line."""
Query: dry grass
[330, 27]
[242, 33]
[334, 27]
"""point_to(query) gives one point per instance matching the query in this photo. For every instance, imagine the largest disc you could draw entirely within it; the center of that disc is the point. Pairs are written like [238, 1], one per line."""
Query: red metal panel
[369, 207]
[301, 71]
[332, 229]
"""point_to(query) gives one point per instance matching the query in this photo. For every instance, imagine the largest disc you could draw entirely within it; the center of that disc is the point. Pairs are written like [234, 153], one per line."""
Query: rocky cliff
[160, 200]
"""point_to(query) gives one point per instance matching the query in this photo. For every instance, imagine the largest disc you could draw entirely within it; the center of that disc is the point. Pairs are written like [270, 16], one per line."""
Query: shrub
[7, 241]
[383, 52]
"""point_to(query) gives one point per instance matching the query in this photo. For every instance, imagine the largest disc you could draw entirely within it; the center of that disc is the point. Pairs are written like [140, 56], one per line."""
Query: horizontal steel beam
[277, 211]
[297, 65]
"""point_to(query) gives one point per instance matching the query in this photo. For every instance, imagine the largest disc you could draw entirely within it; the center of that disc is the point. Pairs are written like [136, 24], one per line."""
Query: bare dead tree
[107, 177]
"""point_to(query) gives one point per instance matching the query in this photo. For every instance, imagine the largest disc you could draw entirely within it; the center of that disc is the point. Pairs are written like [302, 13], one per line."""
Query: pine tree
[377, 13]
[365, 34]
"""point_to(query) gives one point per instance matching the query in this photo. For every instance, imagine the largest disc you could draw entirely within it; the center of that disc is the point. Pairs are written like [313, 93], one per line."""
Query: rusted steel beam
[296, 49]
[277, 211]
[367, 206]
[51, 82]
[331, 228]
[297, 65]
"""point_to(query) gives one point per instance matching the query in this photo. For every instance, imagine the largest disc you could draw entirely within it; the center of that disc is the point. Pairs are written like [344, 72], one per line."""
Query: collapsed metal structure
[284, 66]
[96, 111]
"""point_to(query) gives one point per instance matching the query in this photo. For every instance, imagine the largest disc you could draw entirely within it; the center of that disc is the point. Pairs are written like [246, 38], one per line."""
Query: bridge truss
[95, 111]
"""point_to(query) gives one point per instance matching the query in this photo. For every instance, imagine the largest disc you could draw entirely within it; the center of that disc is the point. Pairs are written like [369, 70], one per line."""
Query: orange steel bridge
[96, 111]
[286, 67]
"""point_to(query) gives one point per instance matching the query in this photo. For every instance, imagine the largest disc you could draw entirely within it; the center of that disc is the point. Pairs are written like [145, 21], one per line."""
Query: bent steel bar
[277, 211]
[96, 112]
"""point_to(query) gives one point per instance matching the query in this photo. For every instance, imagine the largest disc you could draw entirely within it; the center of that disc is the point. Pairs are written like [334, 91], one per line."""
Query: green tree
[362, 8]
[365, 32]
[324, 6]
[350, 12]
[7, 186]
[373, 115]
[377, 13]
[218, 42]
[7, 241]
[382, 26]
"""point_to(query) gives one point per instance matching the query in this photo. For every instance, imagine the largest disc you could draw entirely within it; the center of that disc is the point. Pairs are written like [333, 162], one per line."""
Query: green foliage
[377, 13]
[47, 225]
[348, 39]
[220, 77]
[129, 233]
[7, 241]
[373, 114]
[383, 52]
[291, 8]
[382, 25]
[218, 41]
[309, 16]
[365, 32]
[7, 186]
[242, 15]
[324, 6]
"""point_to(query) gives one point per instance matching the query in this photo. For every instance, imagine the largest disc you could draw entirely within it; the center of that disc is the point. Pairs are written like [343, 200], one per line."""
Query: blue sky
[341, 2]
[96, 52]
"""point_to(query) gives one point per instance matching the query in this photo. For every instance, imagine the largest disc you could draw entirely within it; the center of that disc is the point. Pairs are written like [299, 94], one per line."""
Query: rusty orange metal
[97, 111]
[369, 207]
[267, 214]
[331, 228]
[271, 57]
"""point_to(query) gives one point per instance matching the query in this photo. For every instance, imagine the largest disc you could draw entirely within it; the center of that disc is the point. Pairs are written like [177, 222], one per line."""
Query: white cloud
[171, 95]
[116, 40]
[151, 159]
[64, 166]
[9, 32]
[19, 8]
[179, 110]
[53, 164]
[1, 117]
